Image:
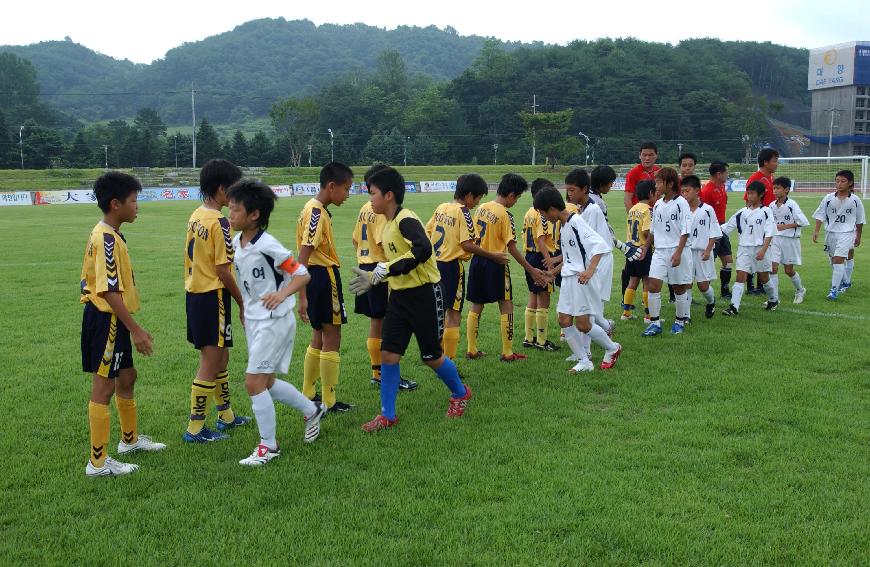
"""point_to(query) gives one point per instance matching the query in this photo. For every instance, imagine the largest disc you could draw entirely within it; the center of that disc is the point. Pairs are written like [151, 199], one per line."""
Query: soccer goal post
[816, 174]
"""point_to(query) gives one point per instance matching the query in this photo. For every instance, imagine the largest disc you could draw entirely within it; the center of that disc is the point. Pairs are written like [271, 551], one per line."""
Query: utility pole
[106, 151]
[405, 152]
[309, 155]
[21, 144]
[331, 145]
[831, 129]
[175, 147]
[495, 154]
[193, 117]
[586, 145]
[680, 149]
[745, 139]
[534, 133]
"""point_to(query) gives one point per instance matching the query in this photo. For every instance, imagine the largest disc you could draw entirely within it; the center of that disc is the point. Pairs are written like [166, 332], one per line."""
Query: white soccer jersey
[702, 227]
[594, 217]
[580, 242]
[670, 220]
[753, 225]
[787, 213]
[259, 272]
[840, 215]
[599, 200]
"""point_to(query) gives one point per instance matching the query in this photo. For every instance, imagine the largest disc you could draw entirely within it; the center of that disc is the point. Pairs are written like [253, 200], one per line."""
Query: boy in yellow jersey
[110, 298]
[322, 303]
[451, 231]
[416, 306]
[489, 281]
[539, 246]
[210, 283]
[367, 243]
[638, 221]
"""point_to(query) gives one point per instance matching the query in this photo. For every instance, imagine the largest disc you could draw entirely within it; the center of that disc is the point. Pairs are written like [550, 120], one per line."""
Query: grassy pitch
[743, 441]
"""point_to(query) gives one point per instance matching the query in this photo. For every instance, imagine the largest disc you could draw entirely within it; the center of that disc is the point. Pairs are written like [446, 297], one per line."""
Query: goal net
[816, 174]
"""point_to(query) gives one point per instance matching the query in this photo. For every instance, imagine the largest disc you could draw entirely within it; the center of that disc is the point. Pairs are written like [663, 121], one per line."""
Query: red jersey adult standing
[645, 170]
[714, 193]
[768, 161]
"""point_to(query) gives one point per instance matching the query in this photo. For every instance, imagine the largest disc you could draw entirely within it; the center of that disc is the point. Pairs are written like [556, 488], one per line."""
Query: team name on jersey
[196, 227]
[447, 220]
[367, 216]
[488, 215]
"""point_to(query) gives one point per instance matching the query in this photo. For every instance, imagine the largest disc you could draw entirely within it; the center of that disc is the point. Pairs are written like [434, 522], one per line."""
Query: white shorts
[705, 270]
[785, 250]
[746, 261]
[270, 344]
[839, 243]
[579, 299]
[604, 276]
[661, 269]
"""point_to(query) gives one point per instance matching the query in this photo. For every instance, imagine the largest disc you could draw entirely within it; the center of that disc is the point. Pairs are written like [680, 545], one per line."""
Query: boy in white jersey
[785, 248]
[843, 215]
[703, 232]
[754, 224]
[672, 259]
[585, 258]
[269, 276]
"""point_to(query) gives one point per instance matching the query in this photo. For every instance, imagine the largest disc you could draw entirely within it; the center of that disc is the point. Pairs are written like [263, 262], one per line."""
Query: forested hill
[240, 73]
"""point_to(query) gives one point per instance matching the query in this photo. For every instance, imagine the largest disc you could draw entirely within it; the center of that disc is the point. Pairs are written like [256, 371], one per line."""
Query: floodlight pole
[193, 117]
[831, 130]
[405, 152]
[495, 154]
[21, 145]
[175, 148]
[331, 145]
[309, 155]
[585, 137]
[106, 151]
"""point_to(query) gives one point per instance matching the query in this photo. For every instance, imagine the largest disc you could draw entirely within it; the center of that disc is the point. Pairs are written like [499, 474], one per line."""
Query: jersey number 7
[482, 232]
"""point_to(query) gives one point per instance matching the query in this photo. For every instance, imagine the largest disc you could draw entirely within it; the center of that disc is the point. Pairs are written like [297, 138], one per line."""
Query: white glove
[364, 280]
[631, 251]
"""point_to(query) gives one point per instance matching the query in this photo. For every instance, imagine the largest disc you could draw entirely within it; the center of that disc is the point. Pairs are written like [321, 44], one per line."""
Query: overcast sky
[144, 31]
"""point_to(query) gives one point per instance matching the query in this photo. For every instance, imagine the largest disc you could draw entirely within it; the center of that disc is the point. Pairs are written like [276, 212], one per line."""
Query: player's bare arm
[225, 275]
[302, 303]
[276, 298]
[497, 257]
[142, 339]
[816, 230]
[760, 255]
[678, 253]
[586, 275]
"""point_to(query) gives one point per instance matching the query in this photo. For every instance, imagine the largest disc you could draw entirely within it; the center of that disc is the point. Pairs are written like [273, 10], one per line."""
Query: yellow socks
[646, 301]
[628, 301]
[200, 393]
[542, 319]
[222, 397]
[531, 315]
[127, 417]
[374, 348]
[310, 371]
[507, 334]
[450, 342]
[471, 331]
[98, 418]
[329, 362]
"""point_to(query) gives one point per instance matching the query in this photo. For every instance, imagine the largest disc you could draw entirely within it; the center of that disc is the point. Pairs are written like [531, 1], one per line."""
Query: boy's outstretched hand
[143, 341]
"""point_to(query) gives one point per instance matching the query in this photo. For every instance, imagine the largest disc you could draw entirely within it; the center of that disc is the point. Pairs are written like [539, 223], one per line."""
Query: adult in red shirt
[645, 170]
[715, 194]
[768, 161]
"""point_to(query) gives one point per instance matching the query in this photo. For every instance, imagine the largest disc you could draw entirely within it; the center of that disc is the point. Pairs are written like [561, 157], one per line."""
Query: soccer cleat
[312, 424]
[844, 286]
[725, 293]
[572, 358]
[584, 365]
[652, 330]
[379, 423]
[756, 291]
[610, 358]
[832, 295]
[677, 328]
[475, 355]
[771, 305]
[407, 385]
[529, 344]
[237, 421]
[513, 357]
[799, 295]
[626, 317]
[143, 443]
[206, 435]
[339, 407]
[647, 320]
[611, 326]
[548, 346]
[317, 398]
[710, 310]
[457, 405]
[260, 456]
[730, 311]
[110, 468]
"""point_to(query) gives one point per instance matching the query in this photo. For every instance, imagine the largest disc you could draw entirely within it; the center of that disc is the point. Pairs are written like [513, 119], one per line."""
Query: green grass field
[743, 441]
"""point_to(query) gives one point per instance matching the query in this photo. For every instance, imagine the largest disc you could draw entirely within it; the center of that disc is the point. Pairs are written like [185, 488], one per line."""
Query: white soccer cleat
[584, 365]
[143, 443]
[110, 468]
[799, 295]
[572, 358]
[261, 456]
[312, 424]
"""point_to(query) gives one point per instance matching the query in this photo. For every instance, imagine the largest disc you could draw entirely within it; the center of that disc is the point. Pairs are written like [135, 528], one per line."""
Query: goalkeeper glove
[364, 280]
[632, 252]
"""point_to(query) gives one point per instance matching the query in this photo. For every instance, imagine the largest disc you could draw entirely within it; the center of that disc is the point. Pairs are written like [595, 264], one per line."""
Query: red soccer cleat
[457, 405]
[513, 357]
[475, 355]
[379, 423]
[608, 364]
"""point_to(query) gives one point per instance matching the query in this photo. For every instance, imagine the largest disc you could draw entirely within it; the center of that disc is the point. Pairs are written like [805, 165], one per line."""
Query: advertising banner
[437, 186]
[14, 198]
[306, 188]
[283, 190]
[170, 194]
[71, 196]
[832, 66]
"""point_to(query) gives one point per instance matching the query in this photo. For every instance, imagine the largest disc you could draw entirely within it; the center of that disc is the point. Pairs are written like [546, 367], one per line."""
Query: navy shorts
[639, 269]
[374, 303]
[488, 281]
[452, 284]
[106, 347]
[722, 247]
[536, 259]
[417, 311]
[209, 319]
[325, 297]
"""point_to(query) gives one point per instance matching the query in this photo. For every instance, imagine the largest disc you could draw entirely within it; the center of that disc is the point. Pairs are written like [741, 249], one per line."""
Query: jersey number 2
[437, 246]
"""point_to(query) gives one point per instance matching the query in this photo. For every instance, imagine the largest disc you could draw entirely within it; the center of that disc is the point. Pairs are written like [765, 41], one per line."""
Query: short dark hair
[578, 177]
[470, 184]
[254, 195]
[388, 180]
[649, 146]
[687, 155]
[601, 176]
[669, 175]
[756, 187]
[847, 173]
[512, 184]
[539, 184]
[717, 167]
[217, 173]
[644, 189]
[548, 197]
[374, 169]
[114, 185]
[335, 172]
[765, 155]
[783, 182]
[691, 181]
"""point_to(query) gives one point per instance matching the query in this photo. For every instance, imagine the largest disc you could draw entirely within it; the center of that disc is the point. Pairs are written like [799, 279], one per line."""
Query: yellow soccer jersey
[557, 229]
[451, 225]
[495, 227]
[639, 219]
[398, 249]
[367, 235]
[107, 267]
[208, 245]
[315, 229]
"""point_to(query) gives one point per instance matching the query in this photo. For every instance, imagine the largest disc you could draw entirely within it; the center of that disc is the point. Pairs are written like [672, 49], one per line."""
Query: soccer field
[742, 441]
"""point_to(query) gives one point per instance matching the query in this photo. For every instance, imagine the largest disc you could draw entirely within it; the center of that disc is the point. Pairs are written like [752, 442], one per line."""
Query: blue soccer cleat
[652, 330]
[844, 286]
[204, 436]
[676, 328]
[832, 295]
[239, 420]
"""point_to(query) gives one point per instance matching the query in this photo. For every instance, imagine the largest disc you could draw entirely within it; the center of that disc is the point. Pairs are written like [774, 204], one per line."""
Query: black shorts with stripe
[452, 284]
[417, 311]
[722, 247]
[372, 304]
[536, 259]
[325, 297]
[488, 281]
[209, 319]
[106, 347]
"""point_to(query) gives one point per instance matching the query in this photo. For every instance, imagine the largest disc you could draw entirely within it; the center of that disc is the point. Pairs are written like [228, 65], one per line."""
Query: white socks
[655, 306]
[796, 282]
[709, 296]
[683, 306]
[288, 395]
[772, 292]
[839, 271]
[264, 411]
[850, 267]
[737, 294]
[575, 342]
[600, 337]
